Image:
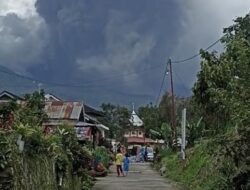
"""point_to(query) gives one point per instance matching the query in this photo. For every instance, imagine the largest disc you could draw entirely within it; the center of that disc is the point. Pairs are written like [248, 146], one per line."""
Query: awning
[101, 126]
[84, 124]
[90, 118]
[58, 122]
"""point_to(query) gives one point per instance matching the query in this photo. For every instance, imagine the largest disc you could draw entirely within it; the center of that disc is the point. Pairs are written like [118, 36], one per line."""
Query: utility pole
[39, 87]
[183, 133]
[173, 103]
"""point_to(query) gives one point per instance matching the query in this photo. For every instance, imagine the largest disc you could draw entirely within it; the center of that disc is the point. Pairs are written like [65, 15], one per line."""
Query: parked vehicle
[150, 154]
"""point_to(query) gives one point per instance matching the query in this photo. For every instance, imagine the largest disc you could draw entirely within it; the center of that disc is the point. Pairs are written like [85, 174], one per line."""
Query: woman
[118, 162]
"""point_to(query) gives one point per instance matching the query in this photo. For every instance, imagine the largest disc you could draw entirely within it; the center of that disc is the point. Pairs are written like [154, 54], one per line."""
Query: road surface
[140, 177]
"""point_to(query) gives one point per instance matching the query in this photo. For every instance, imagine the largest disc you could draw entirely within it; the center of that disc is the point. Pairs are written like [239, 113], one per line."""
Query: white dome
[135, 120]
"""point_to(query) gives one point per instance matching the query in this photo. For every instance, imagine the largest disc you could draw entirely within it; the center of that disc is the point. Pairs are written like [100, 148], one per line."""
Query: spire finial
[133, 104]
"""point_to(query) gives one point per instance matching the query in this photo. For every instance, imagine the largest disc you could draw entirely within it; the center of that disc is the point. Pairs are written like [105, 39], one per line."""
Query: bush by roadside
[221, 162]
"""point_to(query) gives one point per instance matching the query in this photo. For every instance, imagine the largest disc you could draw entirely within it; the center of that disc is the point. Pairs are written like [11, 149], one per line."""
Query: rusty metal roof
[63, 110]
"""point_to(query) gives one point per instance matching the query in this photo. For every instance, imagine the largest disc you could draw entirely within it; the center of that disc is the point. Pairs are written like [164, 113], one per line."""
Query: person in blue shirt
[126, 164]
[145, 154]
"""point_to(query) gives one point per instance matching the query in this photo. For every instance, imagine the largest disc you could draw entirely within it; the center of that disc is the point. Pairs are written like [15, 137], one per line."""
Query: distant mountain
[10, 82]
[93, 95]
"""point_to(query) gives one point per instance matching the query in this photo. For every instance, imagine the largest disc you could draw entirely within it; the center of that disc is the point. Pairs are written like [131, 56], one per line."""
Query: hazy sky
[110, 44]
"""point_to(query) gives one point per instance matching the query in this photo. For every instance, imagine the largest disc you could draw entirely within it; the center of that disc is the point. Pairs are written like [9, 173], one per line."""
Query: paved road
[141, 177]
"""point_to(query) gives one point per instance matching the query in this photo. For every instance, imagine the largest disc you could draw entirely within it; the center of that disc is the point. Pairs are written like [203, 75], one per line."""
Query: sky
[108, 51]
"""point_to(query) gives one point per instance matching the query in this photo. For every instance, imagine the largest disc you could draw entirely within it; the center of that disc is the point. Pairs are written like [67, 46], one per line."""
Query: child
[126, 164]
[118, 162]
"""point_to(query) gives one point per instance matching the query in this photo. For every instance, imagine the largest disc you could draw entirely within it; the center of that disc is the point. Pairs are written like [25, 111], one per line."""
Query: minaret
[134, 119]
[133, 111]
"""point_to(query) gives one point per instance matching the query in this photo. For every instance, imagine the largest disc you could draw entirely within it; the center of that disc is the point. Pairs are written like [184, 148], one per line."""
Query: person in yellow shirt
[118, 162]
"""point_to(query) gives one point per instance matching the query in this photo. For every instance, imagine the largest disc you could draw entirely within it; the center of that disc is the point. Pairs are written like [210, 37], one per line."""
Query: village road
[140, 177]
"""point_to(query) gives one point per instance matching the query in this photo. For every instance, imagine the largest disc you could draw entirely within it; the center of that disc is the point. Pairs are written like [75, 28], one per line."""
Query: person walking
[146, 154]
[118, 162]
[126, 164]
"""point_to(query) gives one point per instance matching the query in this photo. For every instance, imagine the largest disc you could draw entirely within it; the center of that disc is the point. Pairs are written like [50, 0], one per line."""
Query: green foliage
[62, 147]
[87, 182]
[223, 94]
[101, 154]
[225, 156]
[63, 152]
[151, 117]
[195, 171]
[116, 117]
[166, 132]
[193, 115]
[32, 112]
[5, 151]
[222, 88]
[222, 99]
[195, 131]
[33, 138]
[165, 107]
[234, 150]
[6, 114]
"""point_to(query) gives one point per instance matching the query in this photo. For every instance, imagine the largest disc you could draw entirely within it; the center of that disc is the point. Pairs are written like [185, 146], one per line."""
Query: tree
[116, 118]
[7, 114]
[32, 111]
[222, 93]
[165, 107]
[151, 117]
[222, 90]
[166, 132]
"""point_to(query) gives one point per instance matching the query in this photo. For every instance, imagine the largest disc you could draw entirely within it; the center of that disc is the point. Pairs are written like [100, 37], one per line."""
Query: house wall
[134, 133]
[5, 98]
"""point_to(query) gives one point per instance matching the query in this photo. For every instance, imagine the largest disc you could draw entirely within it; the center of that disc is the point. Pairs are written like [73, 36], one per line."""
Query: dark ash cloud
[93, 40]
[109, 43]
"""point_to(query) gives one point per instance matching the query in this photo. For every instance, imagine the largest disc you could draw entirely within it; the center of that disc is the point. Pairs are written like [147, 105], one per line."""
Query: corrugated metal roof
[63, 110]
[10, 95]
[93, 111]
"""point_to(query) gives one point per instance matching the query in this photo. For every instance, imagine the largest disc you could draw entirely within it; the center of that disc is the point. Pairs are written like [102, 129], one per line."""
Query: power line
[181, 81]
[198, 54]
[161, 87]
[91, 83]
[78, 85]
[182, 61]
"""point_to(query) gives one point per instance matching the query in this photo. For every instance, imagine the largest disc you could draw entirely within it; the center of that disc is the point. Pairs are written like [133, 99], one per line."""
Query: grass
[197, 172]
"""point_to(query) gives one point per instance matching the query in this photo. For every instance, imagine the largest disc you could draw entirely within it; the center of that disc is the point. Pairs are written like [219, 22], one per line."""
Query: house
[51, 97]
[60, 112]
[135, 132]
[6, 96]
[87, 127]
[81, 116]
[6, 116]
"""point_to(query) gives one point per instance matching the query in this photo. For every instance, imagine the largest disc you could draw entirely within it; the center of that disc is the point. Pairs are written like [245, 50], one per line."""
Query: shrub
[101, 154]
